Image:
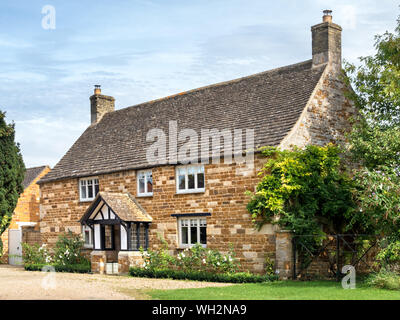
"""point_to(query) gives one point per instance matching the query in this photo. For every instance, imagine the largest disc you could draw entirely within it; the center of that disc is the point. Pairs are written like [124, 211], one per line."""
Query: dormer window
[88, 188]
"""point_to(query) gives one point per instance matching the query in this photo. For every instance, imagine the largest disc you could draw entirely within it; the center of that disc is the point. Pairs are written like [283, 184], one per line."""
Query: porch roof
[123, 205]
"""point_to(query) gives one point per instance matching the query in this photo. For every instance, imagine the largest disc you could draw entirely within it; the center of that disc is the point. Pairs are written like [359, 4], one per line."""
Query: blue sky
[146, 49]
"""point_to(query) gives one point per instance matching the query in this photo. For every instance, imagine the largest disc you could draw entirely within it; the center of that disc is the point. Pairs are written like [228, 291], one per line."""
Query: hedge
[239, 277]
[75, 268]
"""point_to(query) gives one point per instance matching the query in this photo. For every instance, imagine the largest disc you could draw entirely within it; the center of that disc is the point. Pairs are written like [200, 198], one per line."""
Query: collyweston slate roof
[31, 174]
[270, 102]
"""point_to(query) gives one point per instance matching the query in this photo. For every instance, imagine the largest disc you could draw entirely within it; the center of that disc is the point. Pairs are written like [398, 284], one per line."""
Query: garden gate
[332, 253]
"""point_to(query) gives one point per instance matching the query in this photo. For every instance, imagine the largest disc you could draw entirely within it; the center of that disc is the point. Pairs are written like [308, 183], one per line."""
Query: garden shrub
[68, 249]
[196, 258]
[239, 277]
[384, 280]
[35, 254]
[66, 257]
[74, 268]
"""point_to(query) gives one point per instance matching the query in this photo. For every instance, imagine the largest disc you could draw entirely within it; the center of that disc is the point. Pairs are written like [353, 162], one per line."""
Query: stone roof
[270, 102]
[124, 205]
[31, 174]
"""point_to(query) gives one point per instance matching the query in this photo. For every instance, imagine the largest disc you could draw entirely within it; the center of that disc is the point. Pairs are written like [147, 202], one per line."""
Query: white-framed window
[145, 183]
[191, 231]
[87, 236]
[190, 179]
[88, 188]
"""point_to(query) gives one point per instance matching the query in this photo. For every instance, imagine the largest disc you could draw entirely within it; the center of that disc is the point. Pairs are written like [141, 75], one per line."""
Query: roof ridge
[218, 84]
[31, 168]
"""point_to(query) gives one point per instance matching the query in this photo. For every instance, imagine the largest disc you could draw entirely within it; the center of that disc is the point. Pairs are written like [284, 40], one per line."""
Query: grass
[279, 290]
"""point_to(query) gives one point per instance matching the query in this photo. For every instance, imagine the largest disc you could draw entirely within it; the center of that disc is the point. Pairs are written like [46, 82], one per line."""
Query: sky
[140, 50]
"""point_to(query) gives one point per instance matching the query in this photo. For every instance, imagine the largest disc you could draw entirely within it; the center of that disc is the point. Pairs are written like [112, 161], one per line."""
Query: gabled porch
[120, 227]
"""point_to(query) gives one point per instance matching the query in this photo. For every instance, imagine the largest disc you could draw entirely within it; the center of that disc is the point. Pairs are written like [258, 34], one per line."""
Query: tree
[375, 141]
[12, 170]
[376, 82]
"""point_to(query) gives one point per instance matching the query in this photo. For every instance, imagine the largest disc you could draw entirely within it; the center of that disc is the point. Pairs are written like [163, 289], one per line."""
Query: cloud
[348, 16]
[45, 140]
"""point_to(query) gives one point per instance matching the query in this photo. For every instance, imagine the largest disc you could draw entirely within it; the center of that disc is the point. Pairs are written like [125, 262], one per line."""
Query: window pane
[191, 181]
[203, 235]
[90, 190]
[87, 237]
[141, 185]
[83, 192]
[142, 236]
[181, 183]
[150, 182]
[193, 235]
[200, 180]
[185, 236]
[108, 237]
[134, 242]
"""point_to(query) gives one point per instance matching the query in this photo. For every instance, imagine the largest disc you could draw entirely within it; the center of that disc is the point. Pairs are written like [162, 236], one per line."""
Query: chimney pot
[97, 89]
[327, 16]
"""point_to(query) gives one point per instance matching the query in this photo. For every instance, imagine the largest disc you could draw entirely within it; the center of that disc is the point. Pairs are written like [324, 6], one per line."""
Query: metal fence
[315, 256]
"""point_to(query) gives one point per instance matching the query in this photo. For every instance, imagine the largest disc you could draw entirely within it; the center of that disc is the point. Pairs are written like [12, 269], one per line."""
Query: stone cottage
[106, 188]
[24, 225]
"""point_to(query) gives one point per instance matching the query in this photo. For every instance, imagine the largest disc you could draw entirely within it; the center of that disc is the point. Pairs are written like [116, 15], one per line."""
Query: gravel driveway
[16, 283]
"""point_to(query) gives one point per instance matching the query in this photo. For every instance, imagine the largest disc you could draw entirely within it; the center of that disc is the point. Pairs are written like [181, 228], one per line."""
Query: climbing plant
[306, 191]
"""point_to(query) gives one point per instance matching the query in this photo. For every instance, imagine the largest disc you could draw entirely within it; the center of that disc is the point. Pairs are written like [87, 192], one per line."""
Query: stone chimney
[100, 105]
[327, 42]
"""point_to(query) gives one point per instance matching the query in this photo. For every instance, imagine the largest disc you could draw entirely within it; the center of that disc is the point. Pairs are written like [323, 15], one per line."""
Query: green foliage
[375, 141]
[196, 258]
[68, 249]
[240, 277]
[35, 254]
[378, 198]
[375, 138]
[376, 82]
[74, 268]
[269, 266]
[389, 256]
[66, 254]
[302, 191]
[372, 146]
[384, 280]
[12, 170]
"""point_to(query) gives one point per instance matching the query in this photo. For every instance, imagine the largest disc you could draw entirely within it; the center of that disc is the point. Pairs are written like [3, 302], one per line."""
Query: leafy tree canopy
[376, 82]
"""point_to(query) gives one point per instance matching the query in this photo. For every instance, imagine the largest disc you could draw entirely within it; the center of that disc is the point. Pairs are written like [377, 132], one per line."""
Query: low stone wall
[127, 259]
[98, 261]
